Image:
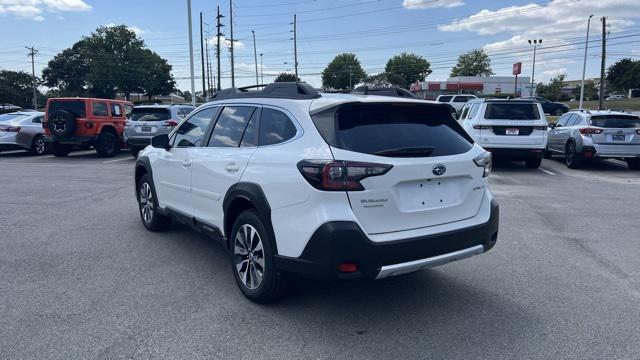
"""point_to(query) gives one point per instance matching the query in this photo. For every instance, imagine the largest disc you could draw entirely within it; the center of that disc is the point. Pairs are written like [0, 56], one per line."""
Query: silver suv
[147, 121]
[585, 135]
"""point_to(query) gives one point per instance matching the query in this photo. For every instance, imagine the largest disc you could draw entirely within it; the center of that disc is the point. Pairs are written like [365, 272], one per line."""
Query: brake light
[484, 161]
[482, 127]
[170, 123]
[10, 128]
[590, 131]
[330, 175]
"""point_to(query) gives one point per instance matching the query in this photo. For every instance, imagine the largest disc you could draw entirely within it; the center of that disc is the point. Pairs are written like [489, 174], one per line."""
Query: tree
[473, 63]
[286, 77]
[16, 87]
[590, 91]
[624, 75]
[111, 60]
[405, 69]
[552, 90]
[343, 72]
[379, 80]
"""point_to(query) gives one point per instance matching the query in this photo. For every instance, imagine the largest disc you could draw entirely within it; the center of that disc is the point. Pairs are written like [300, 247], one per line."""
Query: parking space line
[116, 160]
[547, 171]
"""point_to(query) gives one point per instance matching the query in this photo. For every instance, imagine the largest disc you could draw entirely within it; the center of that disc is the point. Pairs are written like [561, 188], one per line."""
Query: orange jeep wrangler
[83, 121]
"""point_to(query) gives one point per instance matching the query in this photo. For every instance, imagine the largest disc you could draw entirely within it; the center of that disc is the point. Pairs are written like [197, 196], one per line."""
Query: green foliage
[590, 91]
[378, 80]
[474, 63]
[624, 75]
[16, 87]
[286, 77]
[405, 69]
[343, 72]
[553, 90]
[111, 60]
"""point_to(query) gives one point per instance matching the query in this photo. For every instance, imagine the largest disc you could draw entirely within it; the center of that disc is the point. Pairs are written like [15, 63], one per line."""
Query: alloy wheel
[40, 146]
[249, 256]
[146, 203]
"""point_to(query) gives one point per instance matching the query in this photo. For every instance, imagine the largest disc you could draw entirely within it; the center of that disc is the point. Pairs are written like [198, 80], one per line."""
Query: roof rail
[383, 91]
[279, 90]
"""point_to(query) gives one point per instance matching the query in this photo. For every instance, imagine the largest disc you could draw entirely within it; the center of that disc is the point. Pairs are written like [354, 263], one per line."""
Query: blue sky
[374, 30]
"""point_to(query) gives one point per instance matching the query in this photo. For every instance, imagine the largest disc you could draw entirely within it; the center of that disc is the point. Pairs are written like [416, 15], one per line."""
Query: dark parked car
[550, 107]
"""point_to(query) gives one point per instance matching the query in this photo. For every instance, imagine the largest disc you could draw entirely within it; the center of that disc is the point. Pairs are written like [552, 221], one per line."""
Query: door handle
[186, 162]
[232, 167]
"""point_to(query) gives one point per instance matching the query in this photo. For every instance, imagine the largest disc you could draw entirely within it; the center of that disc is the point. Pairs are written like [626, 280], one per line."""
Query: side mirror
[161, 142]
[552, 125]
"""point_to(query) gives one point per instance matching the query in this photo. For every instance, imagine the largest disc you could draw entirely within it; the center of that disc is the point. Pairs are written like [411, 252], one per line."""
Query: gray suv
[147, 121]
[585, 135]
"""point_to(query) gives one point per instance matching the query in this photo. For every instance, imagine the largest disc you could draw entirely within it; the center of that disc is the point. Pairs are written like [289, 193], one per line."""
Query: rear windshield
[444, 98]
[512, 111]
[150, 114]
[11, 117]
[76, 107]
[616, 121]
[393, 129]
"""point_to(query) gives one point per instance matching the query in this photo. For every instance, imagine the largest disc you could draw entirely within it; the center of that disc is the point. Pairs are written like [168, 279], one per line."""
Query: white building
[476, 85]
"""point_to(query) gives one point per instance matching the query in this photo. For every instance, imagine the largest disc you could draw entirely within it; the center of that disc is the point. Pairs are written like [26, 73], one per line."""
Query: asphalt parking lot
[81, 278]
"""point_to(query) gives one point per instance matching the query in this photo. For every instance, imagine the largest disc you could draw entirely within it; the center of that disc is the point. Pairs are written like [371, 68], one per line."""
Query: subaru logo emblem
[439, 170]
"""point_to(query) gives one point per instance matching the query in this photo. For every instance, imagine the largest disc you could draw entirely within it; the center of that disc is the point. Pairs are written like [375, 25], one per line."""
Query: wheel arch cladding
[108, 127]
[142, 167]
[245, 196]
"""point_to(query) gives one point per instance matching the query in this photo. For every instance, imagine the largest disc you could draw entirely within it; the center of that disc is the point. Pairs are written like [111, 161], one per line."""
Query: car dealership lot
[82, 278]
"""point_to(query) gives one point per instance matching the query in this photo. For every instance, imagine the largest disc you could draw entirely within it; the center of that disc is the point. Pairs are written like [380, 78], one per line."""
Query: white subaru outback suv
[509, 128]
[329, 186]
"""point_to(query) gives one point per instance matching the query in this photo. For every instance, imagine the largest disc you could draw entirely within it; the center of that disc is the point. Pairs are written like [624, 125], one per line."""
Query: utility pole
[261, 71]
[206, 50]
[204, 79]
[535, 43]
[218, 35]
[584, 64]
[295, 45]
[255, 54]
[193, 77]
[233, 75]
[33, 53]
[602, 61]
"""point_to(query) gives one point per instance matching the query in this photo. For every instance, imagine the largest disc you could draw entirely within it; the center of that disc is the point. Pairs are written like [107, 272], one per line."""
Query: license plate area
[615, 137]
[146, 128]
[512, 131]
[428, 194]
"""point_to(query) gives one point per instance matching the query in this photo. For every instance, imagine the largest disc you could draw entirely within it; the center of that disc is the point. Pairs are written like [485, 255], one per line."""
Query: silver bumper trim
[411, 266]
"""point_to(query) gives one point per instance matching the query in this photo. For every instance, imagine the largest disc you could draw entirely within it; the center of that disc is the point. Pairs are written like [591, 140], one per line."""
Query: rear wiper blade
[422, 151]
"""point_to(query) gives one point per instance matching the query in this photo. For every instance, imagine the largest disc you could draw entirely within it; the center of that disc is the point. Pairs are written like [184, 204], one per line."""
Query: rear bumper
[516, 152]
[73, 140]
[615, 151]
[339, 242]
[138, 141]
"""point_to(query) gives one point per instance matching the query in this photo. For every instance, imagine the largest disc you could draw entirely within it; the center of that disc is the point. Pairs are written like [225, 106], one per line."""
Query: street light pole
[193, 79]
[261, 71]
[535, 43]
[255, 54]
[584, 64]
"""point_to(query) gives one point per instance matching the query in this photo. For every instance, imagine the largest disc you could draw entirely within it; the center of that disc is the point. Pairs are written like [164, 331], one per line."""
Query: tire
[258, 286]
[558, 112]
[134, 151]
[38, 146]
[148, 206]
[572, 159]
[633, 164]
[62, 123]
[59, 150]
[107, 144]
[533, 162]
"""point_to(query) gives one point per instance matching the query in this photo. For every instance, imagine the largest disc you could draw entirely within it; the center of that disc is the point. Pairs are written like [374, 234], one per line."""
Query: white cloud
[34, 9]
[430, 4]
[138, 31]
[225, 42]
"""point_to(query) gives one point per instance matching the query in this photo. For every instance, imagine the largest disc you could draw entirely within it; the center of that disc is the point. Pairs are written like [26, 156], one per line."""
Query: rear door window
[275, 127]
[511, 111]
[116, 110]
[99, 109]
[76, 107]
[230, 126]
[150, 114]
[461, 99]
[393, 129]
[37, 120]
[250, 137]
[616, 121]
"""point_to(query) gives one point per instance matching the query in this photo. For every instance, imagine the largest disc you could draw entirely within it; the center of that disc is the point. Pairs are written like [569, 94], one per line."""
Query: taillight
[170, 123]
[337, 175]
[482, 127]
[10, 128]
[590, 131]
[638, 131]
[484, 161]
